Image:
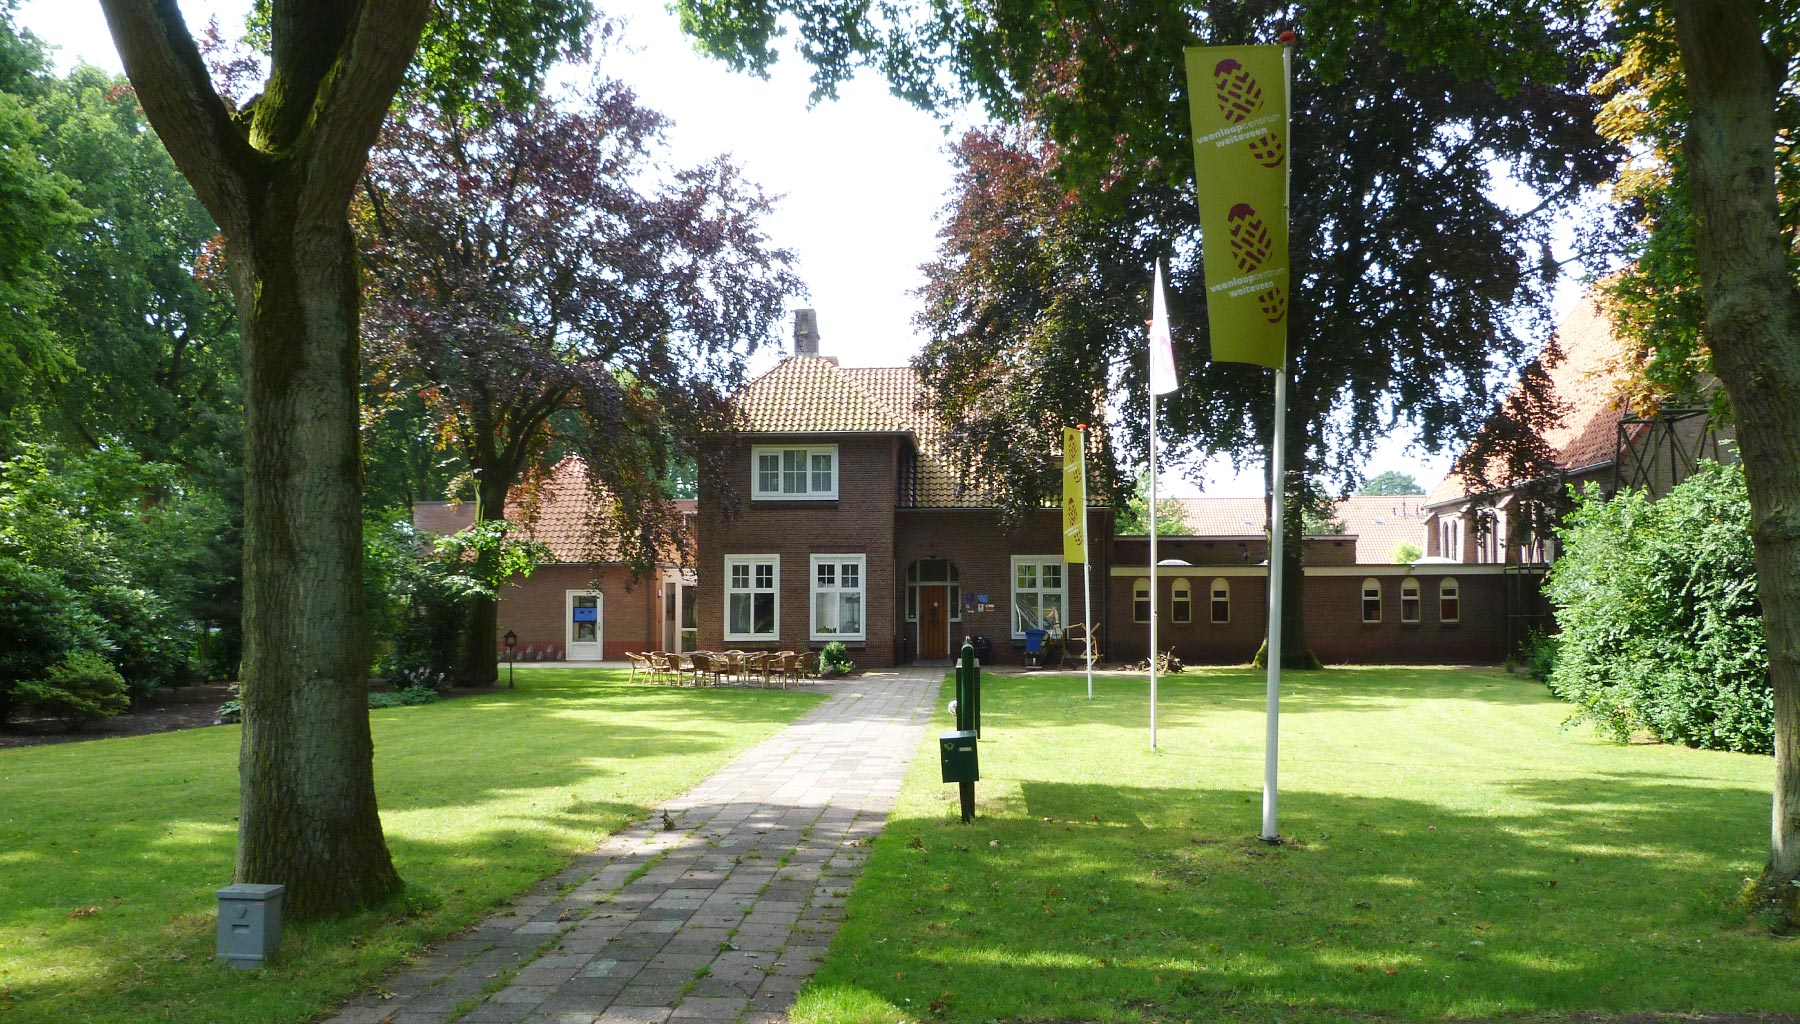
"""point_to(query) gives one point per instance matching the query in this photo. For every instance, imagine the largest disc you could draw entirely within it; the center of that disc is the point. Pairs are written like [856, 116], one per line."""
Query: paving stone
[764, 855]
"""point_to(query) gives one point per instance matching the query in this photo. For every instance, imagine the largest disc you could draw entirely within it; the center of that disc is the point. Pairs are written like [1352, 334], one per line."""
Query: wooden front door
[934, 622]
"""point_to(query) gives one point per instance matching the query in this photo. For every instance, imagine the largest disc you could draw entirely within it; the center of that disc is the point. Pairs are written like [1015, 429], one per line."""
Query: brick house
[579, 606]
[852, 524]
[1360, 604]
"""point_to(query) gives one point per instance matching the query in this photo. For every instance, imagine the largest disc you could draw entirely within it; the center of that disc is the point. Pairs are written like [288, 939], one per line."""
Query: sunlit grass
[1454, 852]
[481, 796]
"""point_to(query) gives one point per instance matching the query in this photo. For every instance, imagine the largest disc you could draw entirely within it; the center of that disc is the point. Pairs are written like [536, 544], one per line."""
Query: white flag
[1162, 359]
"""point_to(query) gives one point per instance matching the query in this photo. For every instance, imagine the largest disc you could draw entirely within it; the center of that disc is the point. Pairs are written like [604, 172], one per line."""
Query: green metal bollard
[968, 689]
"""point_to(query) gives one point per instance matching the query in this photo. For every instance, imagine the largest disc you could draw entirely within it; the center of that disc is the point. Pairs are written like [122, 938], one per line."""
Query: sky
[863, 179]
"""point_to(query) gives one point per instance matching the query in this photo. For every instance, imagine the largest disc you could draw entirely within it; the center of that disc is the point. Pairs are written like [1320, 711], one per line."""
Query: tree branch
[177, 94]
[352, 100]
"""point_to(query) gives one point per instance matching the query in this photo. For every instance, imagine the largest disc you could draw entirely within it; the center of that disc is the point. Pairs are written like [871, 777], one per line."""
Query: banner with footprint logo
[1237, 98]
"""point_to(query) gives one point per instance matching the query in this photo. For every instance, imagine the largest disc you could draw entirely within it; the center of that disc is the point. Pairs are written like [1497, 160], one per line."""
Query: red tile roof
[1379, 523]
[561, 515]
[1586, 384]
[813, 395]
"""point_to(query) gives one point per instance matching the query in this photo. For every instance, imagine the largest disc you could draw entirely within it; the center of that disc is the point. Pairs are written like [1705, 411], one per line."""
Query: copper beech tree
[548, 290]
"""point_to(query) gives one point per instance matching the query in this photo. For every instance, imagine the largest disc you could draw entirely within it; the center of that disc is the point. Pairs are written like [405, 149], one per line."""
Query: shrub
[408, 697]
[834, 660]
[44, 622]
[1539, 654]
[1661, 626]
[79, 689]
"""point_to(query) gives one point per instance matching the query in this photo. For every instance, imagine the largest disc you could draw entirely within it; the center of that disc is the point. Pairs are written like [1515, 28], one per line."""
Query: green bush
[45, 623]
[834, 660]
[1661, 627]
[409, 697]
[79, 689]
[1539, 654]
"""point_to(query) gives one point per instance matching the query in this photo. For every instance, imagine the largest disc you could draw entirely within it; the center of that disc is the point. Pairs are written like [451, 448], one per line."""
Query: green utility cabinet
[957, 752]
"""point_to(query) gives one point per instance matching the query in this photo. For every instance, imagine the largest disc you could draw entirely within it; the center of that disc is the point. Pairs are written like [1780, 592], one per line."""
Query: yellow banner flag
[1074, 498]
[1237, 98]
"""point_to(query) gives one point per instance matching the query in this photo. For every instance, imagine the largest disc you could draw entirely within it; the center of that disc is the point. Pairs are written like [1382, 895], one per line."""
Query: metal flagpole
[1153, 601]
[1087, 575]
[1278, 489]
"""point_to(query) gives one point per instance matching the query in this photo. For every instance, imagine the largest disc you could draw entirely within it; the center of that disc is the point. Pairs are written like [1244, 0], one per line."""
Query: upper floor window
[1449, 600]
[1037, 593]
[794, 474]
[1409, 600]
[752, 599]
[1181, 606]
[1371, 600]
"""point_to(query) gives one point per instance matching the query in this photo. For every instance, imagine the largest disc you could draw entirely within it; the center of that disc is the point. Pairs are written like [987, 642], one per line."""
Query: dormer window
[794, 474]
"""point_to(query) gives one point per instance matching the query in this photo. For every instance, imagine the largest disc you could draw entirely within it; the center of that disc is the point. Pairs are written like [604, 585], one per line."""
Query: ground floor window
[1449, 600]
[1371, 600]
[1181, 605]
[1221, 600]
[1409, 600]
[1038, 593]
[837, 597]
[752, 598]
[1140, 601]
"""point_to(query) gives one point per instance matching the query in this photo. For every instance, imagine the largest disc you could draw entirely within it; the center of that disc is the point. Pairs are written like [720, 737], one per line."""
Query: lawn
[110, 850]
[1454, 852]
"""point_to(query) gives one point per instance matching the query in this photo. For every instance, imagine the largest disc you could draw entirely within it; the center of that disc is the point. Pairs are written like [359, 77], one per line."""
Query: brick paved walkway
[719, 919]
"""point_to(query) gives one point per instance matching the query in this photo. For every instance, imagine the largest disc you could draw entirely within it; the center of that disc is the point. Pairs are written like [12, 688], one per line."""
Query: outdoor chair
[664, 665]
[757, 664]
[706, 665]
[790, 667]
[736, 662]
[640, 662]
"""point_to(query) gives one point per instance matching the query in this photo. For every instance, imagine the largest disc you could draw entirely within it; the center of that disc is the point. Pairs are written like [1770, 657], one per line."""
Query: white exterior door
[584, 619]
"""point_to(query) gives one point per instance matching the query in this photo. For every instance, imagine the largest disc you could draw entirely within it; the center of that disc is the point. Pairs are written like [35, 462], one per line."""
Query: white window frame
[1449, 589]
[753, 561]
[862, 590]
[1411, 591]
[1181, 602]
[811, 493]
[1140, 592]
[1219, 586]
[1062, 592]
[1371, 584]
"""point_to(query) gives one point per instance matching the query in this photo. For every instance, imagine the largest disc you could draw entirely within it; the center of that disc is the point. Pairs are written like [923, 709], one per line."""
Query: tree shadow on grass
[1049, 699]
[151, 821]
[1611, 895]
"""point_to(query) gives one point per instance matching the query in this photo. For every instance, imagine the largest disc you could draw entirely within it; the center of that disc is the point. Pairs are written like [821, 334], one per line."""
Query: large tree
[1737, 58]
[1416, 282]
[276, 173]
[547, 289]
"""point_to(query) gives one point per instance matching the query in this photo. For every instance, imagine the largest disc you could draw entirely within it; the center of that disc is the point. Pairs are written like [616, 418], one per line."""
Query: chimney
[806, 332]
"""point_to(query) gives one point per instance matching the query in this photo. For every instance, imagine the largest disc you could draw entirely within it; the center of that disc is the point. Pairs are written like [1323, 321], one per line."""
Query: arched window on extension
[1182, 604]
[1371, 598]
[1449, 600]
[1409, 600]
[1140, 601]
[1221, 600]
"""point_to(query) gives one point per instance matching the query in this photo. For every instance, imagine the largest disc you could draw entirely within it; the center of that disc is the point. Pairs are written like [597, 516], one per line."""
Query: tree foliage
[545, 287]
[1391, 482]
[1661, 627]
[1418, 290]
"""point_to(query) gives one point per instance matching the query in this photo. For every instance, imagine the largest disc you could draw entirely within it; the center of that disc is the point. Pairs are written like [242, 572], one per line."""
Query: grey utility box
[249, 923]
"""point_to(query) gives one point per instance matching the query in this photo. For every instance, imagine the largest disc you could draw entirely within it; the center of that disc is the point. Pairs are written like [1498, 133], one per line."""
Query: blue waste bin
[1034, 644]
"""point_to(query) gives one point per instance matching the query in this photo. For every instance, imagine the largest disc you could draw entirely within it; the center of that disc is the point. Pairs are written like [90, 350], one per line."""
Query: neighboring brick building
[852, 524]
[1361, 605]
[579, 606]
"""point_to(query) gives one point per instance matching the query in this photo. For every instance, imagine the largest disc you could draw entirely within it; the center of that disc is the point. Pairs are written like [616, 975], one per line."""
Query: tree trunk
[476, 663]
[1753, 328]
[307, 807]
